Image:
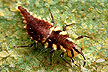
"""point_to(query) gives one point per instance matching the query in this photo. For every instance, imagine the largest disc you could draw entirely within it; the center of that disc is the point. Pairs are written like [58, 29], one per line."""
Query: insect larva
[50, 36]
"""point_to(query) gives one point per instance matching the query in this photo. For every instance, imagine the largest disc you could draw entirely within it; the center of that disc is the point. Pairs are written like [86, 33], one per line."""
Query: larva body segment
[38, 29]
[50, 36]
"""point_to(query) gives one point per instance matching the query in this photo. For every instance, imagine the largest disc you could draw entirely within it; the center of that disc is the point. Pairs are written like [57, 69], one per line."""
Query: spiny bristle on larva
[57, 29]
[35, 15]
[63, 33]
[27, 10]
[70, 39]
[25, 26]
[31, 38]
[54, 46]
[31, 13]
[51, 29]
[46, 44]
[25, 21]
[68, 27]
[62, 48]
[52, 23]
[23, 18]
[36, 41]
[30, 28]
[21, 14]
[44, 39]
[26, 32]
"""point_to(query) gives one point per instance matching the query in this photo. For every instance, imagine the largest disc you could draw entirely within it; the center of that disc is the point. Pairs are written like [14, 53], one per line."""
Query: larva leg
[51, 54]
[64, 27]
[74, 62]
[43, 49]
[84, 59]
[81, 54]
[80, 37]
[30, 45]
[61, 55]
[52, 21]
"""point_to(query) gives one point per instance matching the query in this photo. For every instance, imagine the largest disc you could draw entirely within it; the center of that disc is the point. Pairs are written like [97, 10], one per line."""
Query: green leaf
[90, 17]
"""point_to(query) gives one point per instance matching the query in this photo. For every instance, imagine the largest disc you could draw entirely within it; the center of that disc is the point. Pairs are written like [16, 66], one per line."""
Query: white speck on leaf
[100, 60]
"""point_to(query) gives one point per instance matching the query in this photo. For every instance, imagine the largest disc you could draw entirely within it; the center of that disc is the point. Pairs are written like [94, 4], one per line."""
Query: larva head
[74, 51]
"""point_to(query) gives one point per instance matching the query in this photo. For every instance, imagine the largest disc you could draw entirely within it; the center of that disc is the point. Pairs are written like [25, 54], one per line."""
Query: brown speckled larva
[50, 36]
